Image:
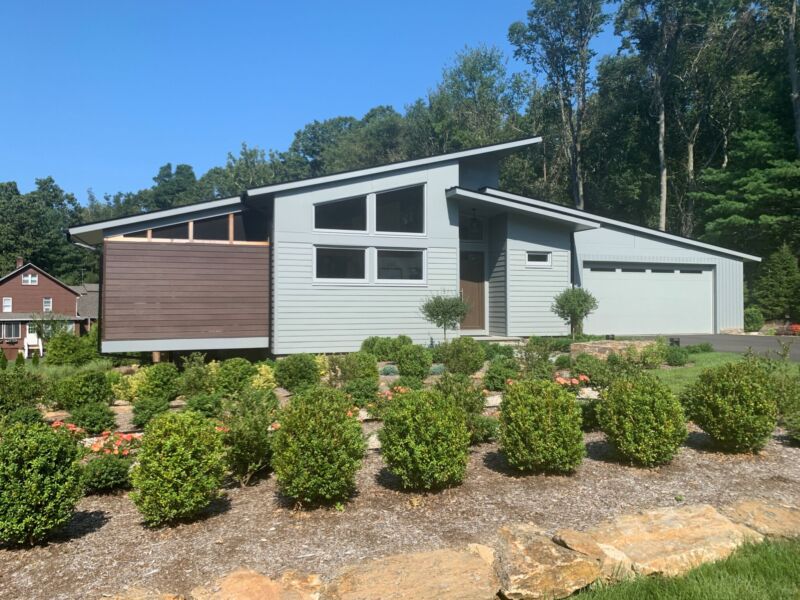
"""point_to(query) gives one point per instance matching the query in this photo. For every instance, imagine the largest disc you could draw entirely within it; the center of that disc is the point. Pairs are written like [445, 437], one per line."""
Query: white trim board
[167, 345]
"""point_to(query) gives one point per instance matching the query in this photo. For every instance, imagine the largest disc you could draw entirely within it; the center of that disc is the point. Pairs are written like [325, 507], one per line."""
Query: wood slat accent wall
[192, 290]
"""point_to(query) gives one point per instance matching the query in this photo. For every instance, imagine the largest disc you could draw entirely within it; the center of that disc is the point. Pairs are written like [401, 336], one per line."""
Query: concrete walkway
[761, 344]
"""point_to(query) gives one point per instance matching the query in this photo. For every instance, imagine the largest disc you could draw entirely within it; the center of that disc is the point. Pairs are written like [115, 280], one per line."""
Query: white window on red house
[30, 279]
[47, 305]
[7, 304]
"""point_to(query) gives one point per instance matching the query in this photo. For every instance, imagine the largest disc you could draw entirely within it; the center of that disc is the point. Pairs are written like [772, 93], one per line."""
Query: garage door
[650, 299]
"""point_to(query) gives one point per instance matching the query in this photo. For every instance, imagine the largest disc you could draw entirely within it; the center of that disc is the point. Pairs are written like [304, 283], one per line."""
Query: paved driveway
[761, 344]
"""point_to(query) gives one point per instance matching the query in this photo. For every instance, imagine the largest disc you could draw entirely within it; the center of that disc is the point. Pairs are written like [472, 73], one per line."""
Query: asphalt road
[761, 344]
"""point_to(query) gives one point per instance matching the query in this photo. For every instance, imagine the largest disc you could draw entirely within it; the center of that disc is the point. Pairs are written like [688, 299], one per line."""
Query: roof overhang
[575, 223]
[565, 210]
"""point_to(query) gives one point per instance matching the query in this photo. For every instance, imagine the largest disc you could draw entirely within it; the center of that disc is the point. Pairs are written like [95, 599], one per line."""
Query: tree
[555, 41]
[778, 285]
[573, 305]
[445, 311]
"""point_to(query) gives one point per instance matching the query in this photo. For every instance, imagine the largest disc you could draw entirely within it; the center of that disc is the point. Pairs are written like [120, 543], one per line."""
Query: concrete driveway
[761, 344]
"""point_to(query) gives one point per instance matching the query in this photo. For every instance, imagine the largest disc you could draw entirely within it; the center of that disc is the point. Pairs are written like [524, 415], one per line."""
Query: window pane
[215, 228]
[405, 264]
[137, 234]
[7, 304]
[538, 257]
[340, 263]
[172, 232]
[350, 214]
[400, 211]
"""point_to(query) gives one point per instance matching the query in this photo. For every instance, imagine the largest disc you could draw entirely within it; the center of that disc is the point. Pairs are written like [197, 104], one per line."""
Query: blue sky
[100, 94]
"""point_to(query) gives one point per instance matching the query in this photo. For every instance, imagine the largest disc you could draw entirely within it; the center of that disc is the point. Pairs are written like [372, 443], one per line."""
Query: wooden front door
[472, 289]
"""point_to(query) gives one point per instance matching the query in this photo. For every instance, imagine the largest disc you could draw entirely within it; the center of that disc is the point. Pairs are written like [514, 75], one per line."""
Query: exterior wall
[479, 172]
[615, 245]
[311, 316]
[531, 289]
[28, 298]
[184, 291]
[497, 276]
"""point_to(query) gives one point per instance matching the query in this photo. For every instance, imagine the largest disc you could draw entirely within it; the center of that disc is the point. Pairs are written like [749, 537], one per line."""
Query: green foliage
[642, 419]
[468, 397]
[208, 404]
[347, 368]
[414, 361]
[196, 377]
[735, 404]
[563, 361]
[156, 389]
[27, 415]
[463, 355]
[492, 350]
[425, 440]
[778, 285]
[94, 417]
[318, 448]
[382, 348]
[297, 371]
[573, 305]
[407, 381]
[675, 356]
[35, 359]
[652, 356]
[588, 408]
[233, 376]
[18, 388]
[535, 358]
[3, 361]
[500, 370]
[753, 319]
[398, 343]
[107, 473]
[540, 427]
[19, 362]
[247, 420]
[361, 391]
[390, 370]
[699, 348]
[179, 469]
[66, 348]
[446, 312]
[40, 482]
[82, 388]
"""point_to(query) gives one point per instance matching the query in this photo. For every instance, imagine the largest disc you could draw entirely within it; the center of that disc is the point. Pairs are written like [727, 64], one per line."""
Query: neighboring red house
[28, 293]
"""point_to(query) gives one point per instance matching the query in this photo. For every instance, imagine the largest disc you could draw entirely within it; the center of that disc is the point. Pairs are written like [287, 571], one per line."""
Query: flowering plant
[120, 444]
[70, 428]
[794, 329]
[573, 383]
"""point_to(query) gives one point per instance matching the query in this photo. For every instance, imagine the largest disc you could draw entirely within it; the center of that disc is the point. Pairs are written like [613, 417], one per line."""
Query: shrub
[535, 358]
[297, 371]
[208, 404]
[196, 377]
[464, 355]
[653, 356]
[778, 282]
[361, 391]
[233, 376]
[3, 361]
[346, 368]
[27, 415]
[83, 388]
[18, 388]
[735, 404]
[493, 351]
[642, 419]
[406, 381]
[753, 319]
[540, 427]
[381, 348]
[180, 468]
[675, 356]
[63, 349]
[264, 378]
[500, 370]
[19, 362]
[588, 408]
[791, 420]
[157, 388]
[446, 312]
[699, 348]
[563, 361]
[127, 388]
[40, 482]
[318, 447]
[398, 343]
[438, 352]
[573, 305]
[437, 369]
[248, 420]
[425, 440]
[94, 417]
[414, 361]
[106, 473]
[390, 370]
[461, 390]
[35, 359]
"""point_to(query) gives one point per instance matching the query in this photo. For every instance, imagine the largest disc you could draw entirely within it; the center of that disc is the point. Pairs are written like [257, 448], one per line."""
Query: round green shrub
[464, 355]
[791, 420]
[361, 391]
[180, 467]
[438, 352]
[493, 351]
[94, 418]
[406, 381]
[381, 348]
[642, 419]
[398, 343]
[535, 358]
[297, 371]
[19, 388]
[83, 388]
[588, 408]
[156, 389]
[40, 482]
[347, 368]
[196, 377]
[563, 361]
[540, 427]
[461, 390]
[208, 404]
[318, 447]
[653, 356]
[425, 440]
[233, 376]
[3, 361]
[27, 415]
[500, 370]
[675, 356]
[106, 473]
[247, 421]
[734, 404]
[414, 361]
[753, 319]
[147, 408]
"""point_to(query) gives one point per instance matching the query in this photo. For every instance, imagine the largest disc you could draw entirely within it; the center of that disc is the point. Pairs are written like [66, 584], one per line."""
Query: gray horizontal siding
[497, 276]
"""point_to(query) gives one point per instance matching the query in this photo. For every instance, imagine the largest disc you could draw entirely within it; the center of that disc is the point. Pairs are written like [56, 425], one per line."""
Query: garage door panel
[650, 300]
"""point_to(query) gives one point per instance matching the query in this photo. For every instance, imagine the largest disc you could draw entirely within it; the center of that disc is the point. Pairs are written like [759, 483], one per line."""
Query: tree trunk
[662, 161]
[791, 56]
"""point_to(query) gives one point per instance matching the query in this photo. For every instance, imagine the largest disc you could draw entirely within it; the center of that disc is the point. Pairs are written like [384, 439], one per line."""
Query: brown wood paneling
[472, 288]
[165, 291]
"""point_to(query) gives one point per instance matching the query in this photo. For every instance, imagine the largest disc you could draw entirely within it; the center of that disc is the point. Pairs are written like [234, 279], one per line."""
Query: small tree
[573, 305]
[778, 284]
[445, 311]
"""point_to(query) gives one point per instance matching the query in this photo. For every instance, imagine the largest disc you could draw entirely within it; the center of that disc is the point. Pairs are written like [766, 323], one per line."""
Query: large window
[30, 279]
[8, 305]
[341, 263]
[11, 330]
[401, 211]
[343, 215]
[401, 265]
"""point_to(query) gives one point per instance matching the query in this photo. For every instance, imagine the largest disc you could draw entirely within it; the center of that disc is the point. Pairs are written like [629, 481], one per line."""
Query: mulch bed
[106, 549]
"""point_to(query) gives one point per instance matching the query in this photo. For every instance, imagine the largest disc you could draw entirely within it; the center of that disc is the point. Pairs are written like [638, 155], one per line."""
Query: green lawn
[678, 378]
[770, 571]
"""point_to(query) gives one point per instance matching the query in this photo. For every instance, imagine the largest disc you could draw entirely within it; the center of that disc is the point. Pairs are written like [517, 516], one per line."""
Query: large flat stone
[530, 565]
[769, 519]
[245, 584]
[440, 574]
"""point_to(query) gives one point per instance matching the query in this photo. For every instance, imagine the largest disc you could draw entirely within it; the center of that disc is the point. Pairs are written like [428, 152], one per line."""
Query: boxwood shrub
[492, 350]
[180, 467]
[208, 404]
[318, 446]
[540, 427]
[642, 419]
[40, 482]
[414, 361]
[361, 392]
[346, 368]
[464, 355]
[233, 375]
[247, 420]
[28, 415]
[18, 388]
[735, 404]
[107, 473]
[500, 370]
[92, 387]
[461, 390]
[297, 371]
[94, 417]
[382, 348]
[157, 387]
[675, 356]
[425, 440]
[406, 381]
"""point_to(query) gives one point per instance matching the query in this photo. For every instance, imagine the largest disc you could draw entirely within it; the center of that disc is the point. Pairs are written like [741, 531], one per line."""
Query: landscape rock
[771, 520]
[439, 574]
[602, 348]
[614, 565]
[530, 565]
[245, 584]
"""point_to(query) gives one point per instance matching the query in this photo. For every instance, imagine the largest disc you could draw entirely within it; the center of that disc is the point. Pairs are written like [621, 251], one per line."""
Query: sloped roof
[30, 265]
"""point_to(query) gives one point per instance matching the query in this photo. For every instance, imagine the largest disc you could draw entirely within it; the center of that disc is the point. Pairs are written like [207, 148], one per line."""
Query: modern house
[29, 294]
[318, 265]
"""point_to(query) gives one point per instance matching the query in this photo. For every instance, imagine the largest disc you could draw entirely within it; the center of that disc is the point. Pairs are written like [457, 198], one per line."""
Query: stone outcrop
[602, 348]
[771, 520]
[245, 584]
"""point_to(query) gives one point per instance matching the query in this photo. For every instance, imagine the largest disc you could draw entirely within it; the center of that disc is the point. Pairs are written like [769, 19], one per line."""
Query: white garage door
[650, 299]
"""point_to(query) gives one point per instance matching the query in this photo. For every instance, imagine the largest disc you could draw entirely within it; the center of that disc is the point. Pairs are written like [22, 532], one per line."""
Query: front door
[472, 289]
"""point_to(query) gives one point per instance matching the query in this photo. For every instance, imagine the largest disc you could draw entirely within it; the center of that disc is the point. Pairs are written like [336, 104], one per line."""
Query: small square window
[47, 305]
[7, 305]
[341, 263]
[30, 279]
[401, 211]
[401, 265]
[539, 259]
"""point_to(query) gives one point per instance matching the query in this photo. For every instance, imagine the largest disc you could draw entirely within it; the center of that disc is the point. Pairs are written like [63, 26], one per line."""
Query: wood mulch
[106, 549]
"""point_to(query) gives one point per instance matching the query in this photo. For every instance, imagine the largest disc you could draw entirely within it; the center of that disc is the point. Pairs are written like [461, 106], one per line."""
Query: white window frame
[539, 265]
[374, 202]
[47, 304]
[403, 282]
[336, 281]
[30, 278]
[8, 301]
[368, 218]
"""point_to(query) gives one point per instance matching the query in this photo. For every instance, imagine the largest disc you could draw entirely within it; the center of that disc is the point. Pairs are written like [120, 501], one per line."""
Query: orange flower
[583, 378]
[275, 426]
[125, 452]
[561, 381]
[574, 381]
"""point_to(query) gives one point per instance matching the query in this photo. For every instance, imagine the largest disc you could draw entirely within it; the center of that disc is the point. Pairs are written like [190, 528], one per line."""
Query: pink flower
[574, 381]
